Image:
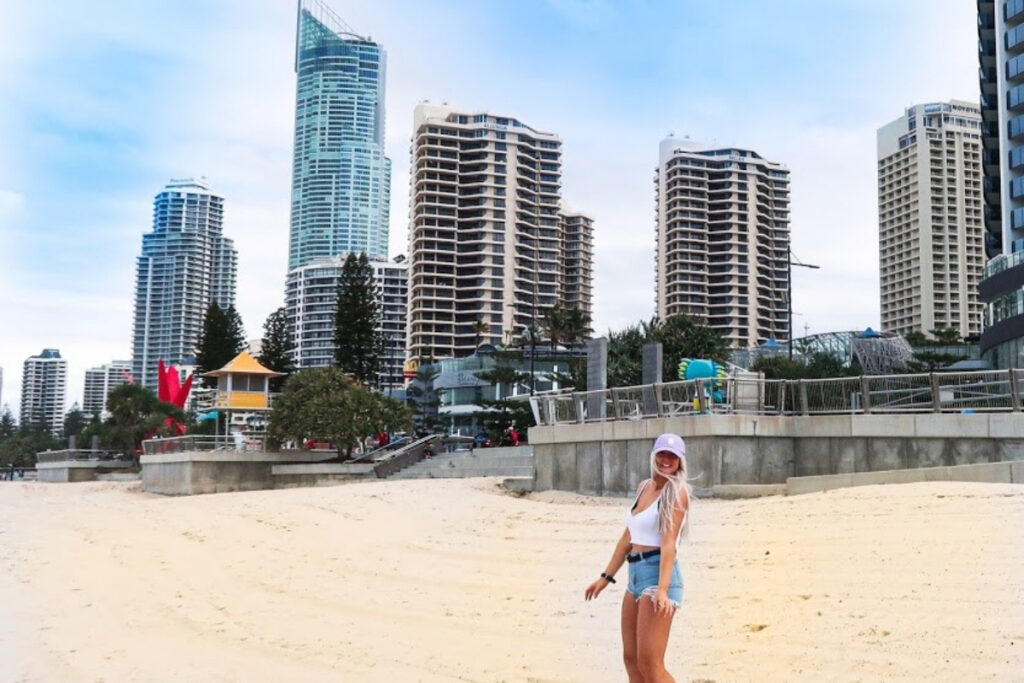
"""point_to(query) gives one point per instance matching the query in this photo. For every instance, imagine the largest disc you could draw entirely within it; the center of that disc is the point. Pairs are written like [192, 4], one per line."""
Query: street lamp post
[789, 295]
[533, 344]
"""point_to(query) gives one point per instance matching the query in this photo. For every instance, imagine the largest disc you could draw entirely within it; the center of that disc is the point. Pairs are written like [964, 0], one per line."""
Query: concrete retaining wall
[320, 474]
[990, 472]
[183, 474]
[71, 471]
[735, 450]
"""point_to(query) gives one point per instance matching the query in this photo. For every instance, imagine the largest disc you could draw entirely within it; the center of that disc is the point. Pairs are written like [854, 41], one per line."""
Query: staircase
[482, 462]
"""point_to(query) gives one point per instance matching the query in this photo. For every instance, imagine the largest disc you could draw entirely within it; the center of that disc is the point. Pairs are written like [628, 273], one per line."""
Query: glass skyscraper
[340, 177]
[186, 264]
[1001, 81]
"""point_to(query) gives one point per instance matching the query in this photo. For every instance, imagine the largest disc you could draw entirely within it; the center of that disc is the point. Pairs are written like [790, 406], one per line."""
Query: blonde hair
[669, 499]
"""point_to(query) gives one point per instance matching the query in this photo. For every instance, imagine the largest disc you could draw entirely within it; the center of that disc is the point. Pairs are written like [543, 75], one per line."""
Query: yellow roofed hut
[243, 384]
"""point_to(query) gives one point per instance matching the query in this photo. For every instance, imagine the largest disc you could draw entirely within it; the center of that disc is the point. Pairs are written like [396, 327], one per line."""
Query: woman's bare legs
[651, 640]
[629, 638]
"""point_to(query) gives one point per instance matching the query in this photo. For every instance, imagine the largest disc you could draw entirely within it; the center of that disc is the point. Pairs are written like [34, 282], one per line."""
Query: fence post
[1014, 390]
[804, 410]
[701, 403]
[936, 402]
[865, 395]
[536, 411]
[615, 404]
[657, 399]
[581, 403]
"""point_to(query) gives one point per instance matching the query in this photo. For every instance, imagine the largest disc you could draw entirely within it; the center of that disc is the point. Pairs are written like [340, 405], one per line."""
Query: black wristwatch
[607, 577]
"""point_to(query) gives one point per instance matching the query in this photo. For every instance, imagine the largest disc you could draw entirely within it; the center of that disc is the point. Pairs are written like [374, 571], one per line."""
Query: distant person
[658, 519]
[513, 435]
[481, 439]
[239, 440]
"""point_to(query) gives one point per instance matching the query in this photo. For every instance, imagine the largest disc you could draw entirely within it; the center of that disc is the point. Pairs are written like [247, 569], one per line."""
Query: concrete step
[519, 485]
[1005, 472]
[507, 461]
[465, 473]
[482, 462]
[455, 461]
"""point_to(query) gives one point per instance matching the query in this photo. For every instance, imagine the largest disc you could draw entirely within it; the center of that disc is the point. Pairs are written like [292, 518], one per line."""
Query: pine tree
[356, 338]
[220, 341]
[8, 427]
[74, 422]
[276, 349]
[502, 412]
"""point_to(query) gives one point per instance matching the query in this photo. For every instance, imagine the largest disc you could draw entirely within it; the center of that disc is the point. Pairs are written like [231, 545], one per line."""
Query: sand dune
[443, 580]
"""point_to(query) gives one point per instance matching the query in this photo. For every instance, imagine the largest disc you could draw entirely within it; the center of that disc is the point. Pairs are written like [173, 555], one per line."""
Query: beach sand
[441, 580]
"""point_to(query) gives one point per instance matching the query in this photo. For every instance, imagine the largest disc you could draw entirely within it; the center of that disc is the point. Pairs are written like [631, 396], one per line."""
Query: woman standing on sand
[654, 525]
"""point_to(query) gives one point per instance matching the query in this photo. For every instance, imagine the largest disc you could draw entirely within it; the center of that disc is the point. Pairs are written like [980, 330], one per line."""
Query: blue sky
[101, 103]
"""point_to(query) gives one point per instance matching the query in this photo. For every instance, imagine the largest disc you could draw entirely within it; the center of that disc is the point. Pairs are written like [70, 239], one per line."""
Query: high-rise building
[341, 179]
[98, 383]
[1001, 80]
[311, 297]
[723, 240]
[577, 267]
[186, 264]
[489, 247]
[43, 390]
[393, 294]
[930, 226]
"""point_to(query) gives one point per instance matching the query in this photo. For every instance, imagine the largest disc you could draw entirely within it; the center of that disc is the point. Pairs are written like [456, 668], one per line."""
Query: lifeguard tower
[243, 386]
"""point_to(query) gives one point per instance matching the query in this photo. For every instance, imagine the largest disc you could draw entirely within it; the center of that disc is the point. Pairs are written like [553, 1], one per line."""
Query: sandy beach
[443, 580]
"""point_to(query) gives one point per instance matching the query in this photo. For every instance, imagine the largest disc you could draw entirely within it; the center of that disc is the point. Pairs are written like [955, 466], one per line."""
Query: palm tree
[554, 324]
[577, 327]
[479, 328]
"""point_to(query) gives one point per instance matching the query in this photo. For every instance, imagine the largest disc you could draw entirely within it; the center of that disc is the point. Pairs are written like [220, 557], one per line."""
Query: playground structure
[877, 353]
[691, 369]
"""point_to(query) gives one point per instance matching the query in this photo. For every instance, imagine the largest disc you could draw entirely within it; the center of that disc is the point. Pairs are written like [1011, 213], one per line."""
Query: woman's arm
[667, 559]
[618, 557]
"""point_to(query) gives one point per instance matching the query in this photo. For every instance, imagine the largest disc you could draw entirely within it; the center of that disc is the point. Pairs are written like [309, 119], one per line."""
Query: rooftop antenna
[325, 15]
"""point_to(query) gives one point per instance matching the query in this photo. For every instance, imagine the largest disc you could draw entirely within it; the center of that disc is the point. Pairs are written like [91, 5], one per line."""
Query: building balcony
[1013, 13]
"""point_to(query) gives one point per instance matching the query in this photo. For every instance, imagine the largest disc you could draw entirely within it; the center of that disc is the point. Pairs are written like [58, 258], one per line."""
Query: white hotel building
[311, 295]
[489, 241]
[930, 222]
[723, 240]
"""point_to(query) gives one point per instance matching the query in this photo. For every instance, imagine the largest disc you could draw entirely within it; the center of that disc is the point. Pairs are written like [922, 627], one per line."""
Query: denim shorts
[643, 580]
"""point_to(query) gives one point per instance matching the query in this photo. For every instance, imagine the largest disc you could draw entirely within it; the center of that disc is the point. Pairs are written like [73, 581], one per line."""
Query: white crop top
[643, 526]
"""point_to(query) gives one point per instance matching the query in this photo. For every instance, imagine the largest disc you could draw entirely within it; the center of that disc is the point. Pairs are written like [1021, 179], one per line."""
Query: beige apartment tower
[723, 240]
[489, 241]
[930, 221]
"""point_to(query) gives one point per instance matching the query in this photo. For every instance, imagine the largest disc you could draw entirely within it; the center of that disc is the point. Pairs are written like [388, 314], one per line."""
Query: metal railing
[952, 392]
[191, 443]
[79, 455]
[405, 456]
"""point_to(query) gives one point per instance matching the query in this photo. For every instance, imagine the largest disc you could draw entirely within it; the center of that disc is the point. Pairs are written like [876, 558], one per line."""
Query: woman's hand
[594, 589]
[662, 605]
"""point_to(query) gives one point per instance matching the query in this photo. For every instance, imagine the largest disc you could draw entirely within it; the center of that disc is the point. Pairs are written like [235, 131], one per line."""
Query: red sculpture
[171, 390]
